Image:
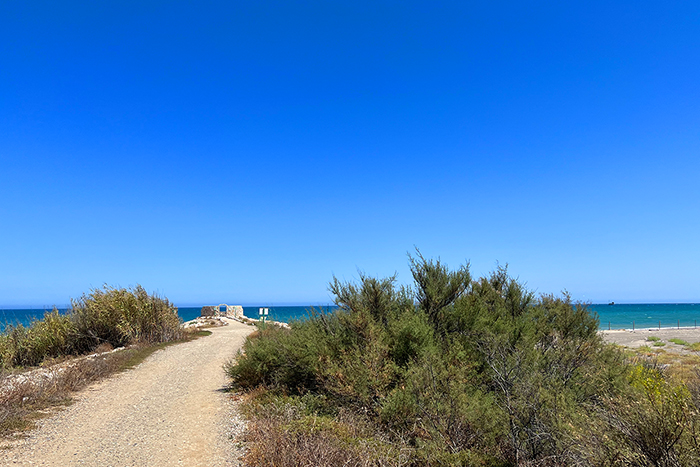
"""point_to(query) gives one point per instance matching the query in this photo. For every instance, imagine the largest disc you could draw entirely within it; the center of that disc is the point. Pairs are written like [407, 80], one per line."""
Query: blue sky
[246, 152]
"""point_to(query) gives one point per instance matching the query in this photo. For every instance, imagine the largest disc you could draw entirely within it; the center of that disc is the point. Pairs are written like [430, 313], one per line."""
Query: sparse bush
[656, 425]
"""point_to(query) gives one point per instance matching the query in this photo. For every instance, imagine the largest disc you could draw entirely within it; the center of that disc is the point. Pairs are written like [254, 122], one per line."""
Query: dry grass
[318, 442]
[683, 367]
[644, 351]
[271, 445]
[286, 432]
[28, 396]
[680, 366]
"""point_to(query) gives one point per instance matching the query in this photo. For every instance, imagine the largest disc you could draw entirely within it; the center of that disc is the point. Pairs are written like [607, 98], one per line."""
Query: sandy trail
[168, 411]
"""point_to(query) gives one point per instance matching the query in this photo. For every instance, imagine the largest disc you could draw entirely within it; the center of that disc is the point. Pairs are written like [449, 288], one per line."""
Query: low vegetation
[39, 363]
[457, 372]
[108, 316]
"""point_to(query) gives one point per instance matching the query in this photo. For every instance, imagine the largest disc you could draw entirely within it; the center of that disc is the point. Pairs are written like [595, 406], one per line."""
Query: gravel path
[168, 411]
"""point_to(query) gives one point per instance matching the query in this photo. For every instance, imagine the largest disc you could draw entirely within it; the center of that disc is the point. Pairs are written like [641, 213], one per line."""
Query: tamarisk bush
[460, 371]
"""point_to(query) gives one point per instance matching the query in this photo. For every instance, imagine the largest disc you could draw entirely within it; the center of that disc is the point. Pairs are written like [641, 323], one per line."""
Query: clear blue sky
[245, 152]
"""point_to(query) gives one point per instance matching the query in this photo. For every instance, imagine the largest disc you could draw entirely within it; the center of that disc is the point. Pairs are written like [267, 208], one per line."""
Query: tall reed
[114, 316]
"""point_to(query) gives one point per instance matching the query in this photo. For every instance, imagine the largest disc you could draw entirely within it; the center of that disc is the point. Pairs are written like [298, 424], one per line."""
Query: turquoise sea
[283, 314]
[618, 316]
[647, 315]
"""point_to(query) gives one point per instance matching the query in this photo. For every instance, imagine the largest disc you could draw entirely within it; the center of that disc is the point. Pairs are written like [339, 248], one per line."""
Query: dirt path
[168, 411]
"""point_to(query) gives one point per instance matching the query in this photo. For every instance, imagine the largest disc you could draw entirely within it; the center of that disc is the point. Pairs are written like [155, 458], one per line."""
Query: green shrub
[279, 357]
[453, 372]
[410, 335]
[46, 338]
[460, 372]
[656, 425]
[437, 288]
[121, 316]
[108, 316]
[437, 406]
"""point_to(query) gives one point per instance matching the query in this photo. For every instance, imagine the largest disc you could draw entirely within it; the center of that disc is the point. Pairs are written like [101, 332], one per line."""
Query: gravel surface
[639, 337]
[168, 411]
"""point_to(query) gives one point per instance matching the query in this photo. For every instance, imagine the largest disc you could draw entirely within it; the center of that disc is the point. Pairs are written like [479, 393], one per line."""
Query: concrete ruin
[208, 311]
[232, 311]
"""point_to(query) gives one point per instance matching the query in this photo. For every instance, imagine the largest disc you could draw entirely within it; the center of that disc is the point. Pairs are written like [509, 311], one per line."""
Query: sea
[283, 314]
[611, 316]
[647, 315]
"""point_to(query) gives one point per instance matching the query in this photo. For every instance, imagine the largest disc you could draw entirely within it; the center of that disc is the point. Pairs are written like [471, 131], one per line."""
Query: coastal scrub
[108, 316]
[455, 371]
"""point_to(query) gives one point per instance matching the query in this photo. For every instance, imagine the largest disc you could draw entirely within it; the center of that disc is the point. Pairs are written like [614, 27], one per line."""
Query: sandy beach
[640, 337]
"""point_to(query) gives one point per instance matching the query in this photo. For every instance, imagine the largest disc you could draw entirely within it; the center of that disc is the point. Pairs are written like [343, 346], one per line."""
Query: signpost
[263, 312]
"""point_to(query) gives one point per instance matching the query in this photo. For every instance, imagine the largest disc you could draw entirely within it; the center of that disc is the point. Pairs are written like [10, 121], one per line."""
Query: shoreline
[648, 329]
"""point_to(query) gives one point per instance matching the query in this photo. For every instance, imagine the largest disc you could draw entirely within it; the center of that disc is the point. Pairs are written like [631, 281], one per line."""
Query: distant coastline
[617, 316]
[284, 314]
[647, 315]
